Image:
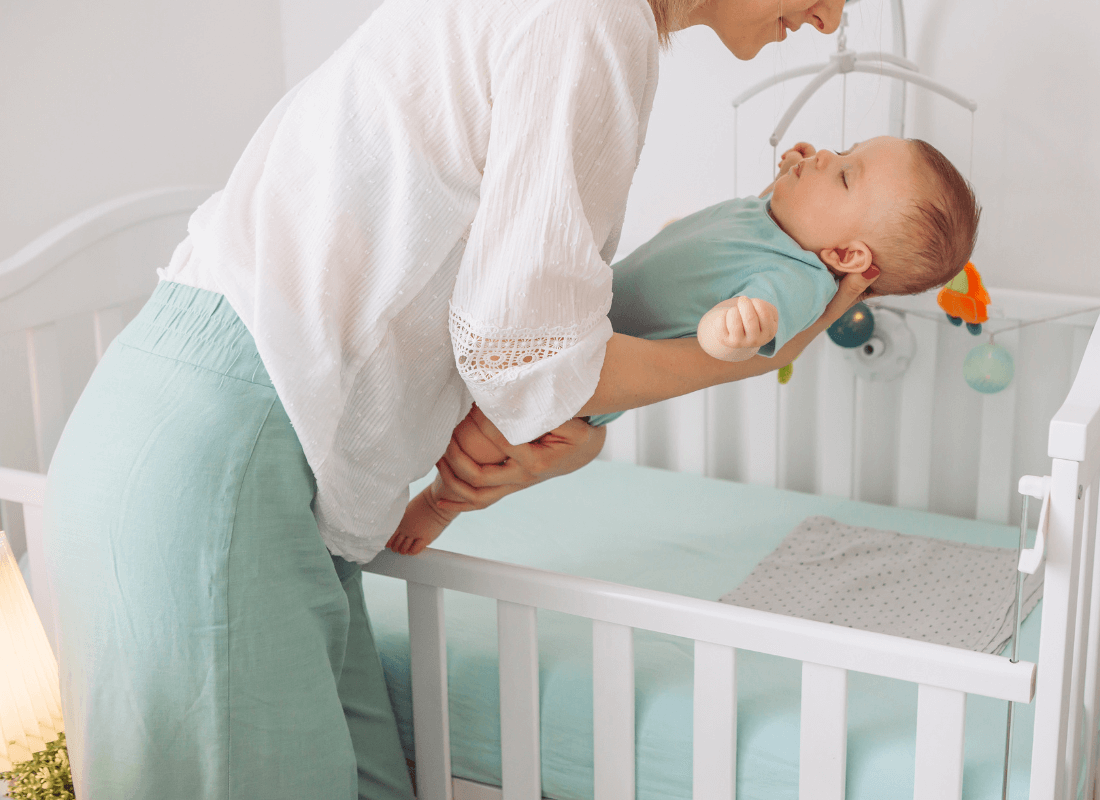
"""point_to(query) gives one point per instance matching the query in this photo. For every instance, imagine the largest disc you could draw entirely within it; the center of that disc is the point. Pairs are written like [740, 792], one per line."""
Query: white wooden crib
[64, 296]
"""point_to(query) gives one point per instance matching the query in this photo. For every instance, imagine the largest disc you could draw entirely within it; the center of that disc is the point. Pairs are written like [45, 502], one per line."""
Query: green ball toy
[855, 328]
[988, 368]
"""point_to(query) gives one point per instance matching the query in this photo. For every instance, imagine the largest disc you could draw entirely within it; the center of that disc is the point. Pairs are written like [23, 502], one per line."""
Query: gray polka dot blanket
[950, 593]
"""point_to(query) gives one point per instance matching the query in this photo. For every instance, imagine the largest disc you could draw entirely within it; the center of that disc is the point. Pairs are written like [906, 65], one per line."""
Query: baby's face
[830, 200]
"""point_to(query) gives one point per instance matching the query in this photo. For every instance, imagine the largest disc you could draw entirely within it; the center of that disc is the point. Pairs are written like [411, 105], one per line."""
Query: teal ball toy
[988, 368]
[855, 328]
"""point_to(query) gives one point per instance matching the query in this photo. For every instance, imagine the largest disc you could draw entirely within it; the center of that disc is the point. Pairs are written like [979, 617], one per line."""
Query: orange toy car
[964, 299]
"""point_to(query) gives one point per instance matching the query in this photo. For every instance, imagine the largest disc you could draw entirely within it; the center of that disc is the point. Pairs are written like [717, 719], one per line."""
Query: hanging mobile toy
[964, 299]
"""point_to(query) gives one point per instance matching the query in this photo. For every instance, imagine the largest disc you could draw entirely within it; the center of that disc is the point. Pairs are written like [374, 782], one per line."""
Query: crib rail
[828, 652]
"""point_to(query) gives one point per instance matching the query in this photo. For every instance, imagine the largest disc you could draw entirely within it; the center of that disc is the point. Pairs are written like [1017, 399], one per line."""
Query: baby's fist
[794, 155]
[734, 329]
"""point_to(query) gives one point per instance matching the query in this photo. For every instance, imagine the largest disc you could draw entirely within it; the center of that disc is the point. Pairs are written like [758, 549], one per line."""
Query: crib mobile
[877, 342]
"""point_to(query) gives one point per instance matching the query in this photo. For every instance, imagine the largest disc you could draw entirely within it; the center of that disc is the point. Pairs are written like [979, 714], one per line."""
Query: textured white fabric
[458, 167]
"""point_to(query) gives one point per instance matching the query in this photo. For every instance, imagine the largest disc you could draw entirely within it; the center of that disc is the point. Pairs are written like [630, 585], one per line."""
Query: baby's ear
[853, 257]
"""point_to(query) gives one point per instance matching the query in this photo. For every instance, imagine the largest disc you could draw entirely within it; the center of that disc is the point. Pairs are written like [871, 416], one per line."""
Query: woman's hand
[850, 291]
[466, 485]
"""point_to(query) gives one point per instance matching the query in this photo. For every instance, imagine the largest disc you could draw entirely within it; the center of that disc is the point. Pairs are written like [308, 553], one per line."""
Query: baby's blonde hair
[932, 239]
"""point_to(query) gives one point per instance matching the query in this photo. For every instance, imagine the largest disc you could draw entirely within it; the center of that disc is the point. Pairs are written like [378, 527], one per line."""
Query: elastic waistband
[197, 327]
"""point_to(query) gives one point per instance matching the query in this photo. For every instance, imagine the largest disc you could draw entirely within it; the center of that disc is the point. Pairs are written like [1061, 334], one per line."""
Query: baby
[748, 274]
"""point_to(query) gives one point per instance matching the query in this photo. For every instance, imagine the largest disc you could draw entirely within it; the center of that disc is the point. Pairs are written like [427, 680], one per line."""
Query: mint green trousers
[210, 646]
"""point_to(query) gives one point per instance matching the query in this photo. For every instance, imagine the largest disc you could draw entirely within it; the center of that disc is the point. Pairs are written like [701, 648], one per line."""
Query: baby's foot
[421, 525]
[408, 544]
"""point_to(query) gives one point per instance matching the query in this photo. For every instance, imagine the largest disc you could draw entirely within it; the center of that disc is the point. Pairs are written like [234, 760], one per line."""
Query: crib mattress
[697, 537]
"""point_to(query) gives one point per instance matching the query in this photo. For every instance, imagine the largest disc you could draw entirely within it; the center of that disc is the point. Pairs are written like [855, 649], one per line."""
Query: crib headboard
[63, 298]
[925, 440]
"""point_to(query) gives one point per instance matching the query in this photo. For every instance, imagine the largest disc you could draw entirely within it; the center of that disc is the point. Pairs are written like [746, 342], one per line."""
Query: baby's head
[896, 203]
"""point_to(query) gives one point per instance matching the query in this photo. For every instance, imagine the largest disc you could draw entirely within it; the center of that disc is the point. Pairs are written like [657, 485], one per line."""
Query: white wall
[312, 29]
[98, 99]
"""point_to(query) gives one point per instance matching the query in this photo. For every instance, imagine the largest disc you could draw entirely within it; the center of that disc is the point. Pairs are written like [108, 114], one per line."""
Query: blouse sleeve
[571, 95]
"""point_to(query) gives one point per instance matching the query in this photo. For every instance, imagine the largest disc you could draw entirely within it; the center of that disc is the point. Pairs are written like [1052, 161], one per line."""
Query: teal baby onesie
[732, 249]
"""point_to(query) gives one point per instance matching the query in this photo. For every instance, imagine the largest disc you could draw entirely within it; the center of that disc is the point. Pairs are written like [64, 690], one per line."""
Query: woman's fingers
[474, 443]
[750, 321]
[557, 452]
[475, 474]
[851, 289]
[462, 496]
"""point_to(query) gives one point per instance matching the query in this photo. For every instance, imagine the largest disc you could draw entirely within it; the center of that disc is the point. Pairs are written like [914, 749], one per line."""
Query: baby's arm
[736, 328]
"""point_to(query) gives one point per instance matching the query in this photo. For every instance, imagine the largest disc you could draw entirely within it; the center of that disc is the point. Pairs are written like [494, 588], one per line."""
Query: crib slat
[782, 435]
[918, 392]
[108, 324]
[431, 717]
[518, 643]
[622, 439]
[712, 404]
[689, 433]
[823, 735]
[760, 429]
[714, 725]
[44, 359]
[613, 710]
[835, 408]
[995, 460]
[726, 450]
[941, 721]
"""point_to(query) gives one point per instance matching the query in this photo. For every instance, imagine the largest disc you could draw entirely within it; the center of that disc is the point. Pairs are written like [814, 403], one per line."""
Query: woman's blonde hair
[671, 16]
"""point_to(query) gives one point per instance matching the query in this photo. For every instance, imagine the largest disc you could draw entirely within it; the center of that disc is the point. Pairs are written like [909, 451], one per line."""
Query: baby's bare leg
[425, 519]
[421, 525]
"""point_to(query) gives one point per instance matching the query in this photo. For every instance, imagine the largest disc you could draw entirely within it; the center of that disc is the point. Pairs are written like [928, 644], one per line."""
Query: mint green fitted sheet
[693, 536]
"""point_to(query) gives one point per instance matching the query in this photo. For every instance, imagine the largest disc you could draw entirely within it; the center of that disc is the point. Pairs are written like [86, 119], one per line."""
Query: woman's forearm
[637, 372]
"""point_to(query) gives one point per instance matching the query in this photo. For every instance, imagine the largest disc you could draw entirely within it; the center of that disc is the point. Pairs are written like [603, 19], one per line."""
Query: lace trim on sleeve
[484, 352]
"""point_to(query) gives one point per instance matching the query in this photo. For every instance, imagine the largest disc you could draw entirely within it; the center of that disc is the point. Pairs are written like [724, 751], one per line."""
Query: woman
[424, 221]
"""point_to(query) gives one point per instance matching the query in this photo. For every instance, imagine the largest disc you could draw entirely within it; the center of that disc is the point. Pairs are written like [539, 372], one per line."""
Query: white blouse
[428, 220]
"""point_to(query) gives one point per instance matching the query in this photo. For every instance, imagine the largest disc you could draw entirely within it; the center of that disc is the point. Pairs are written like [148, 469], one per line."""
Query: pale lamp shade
[30, 698]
